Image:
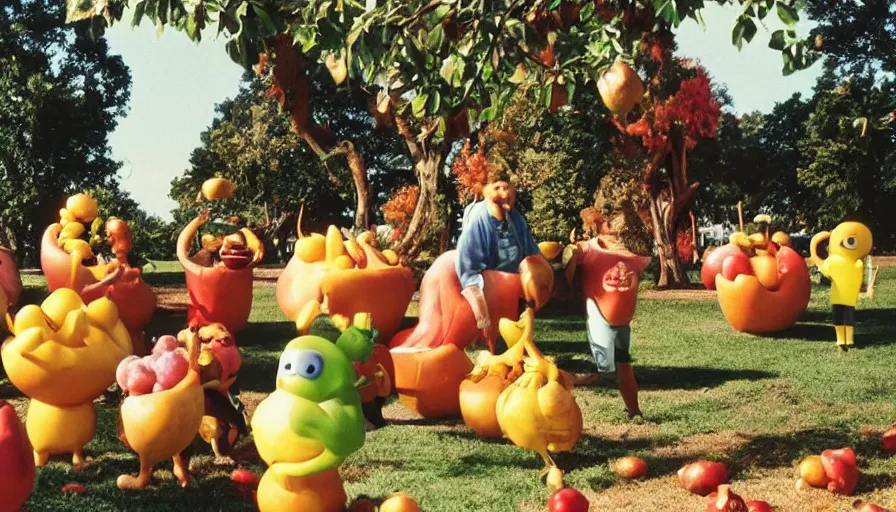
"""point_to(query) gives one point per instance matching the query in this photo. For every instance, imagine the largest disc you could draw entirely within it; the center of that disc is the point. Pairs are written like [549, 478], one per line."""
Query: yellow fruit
[812, 471]
[399, 503]
[103, 313]
[357, 254]
[765, 267]
[510, 331]
[312, 248]
[254, 245]
[73, 329]
[66, 216]
[367, 238]
[550, 250]
[217, 188]
[58, 305]
[83, 207]
[335, 248]
[555, 478]
[337, 68]
[306, 316]
[757, 239]
[27, 317]
[555, 401]
[740, 239]
[620, 88]
[76, 244]
[391, 257]
[781, 238]
[343, 262]
[72, 230]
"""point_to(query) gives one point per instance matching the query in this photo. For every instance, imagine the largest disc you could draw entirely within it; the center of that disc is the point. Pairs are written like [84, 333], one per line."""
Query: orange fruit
[620, 88]
[399, 503]
[217, 188]
[630, 467]
[82, 207]
[812, 471]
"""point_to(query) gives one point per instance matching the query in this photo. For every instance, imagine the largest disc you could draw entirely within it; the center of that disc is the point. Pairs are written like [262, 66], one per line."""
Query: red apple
[724, 500]
[840, 466]
[888, 444]
[703, 477]
[630, 467]
[712, 266]
[17, 470]
[759, 506]
[568, 500]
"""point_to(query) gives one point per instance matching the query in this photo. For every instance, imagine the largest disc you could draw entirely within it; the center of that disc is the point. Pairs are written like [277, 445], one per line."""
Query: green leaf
[762, 10]
[554, 4]
[435, 101]
[737, 34]
[787, 14]
[138, 14]
[777, 41]
[488, 114]
[418, 105]
[435, 38]
[265, 19]
[749, 29]
[788, 63]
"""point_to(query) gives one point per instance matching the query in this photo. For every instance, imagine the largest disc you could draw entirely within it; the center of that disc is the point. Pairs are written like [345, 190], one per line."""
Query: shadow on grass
[665, 377]
[873, 327]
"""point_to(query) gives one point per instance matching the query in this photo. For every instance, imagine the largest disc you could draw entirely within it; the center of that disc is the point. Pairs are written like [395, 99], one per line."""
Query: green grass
[758, 403]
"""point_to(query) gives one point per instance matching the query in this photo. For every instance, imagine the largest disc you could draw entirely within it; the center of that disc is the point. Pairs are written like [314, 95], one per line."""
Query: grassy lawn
[758, 404]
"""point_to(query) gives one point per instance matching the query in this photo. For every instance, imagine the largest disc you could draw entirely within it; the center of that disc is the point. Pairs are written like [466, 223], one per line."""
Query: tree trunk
[427, 171]
[427, 166]
[292, 88]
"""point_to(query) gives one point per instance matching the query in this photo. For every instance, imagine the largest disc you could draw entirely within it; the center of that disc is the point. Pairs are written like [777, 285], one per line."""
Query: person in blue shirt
[494, 236]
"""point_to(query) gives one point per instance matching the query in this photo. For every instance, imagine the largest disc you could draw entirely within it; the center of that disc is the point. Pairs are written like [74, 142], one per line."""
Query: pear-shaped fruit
[620, 88]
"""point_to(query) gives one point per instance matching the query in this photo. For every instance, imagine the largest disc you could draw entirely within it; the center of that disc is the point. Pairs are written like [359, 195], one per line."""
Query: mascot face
[501, 197]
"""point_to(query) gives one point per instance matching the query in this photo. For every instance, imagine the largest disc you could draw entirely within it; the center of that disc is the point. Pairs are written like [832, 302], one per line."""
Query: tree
[60, 96]
[250, 142]
[847, 169]
[435, 66]
[856, 37]
[681, 111]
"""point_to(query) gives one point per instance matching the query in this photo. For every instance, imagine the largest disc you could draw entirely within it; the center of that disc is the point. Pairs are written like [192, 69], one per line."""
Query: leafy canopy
[449, 56]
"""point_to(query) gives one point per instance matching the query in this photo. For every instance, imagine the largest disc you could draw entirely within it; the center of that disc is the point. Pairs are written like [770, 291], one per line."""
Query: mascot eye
[305, 363]
[850, 243]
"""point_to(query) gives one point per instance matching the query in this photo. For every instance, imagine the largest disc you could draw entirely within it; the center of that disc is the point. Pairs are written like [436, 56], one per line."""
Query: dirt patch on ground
[716, 443]
[171, 298]
[678, 295]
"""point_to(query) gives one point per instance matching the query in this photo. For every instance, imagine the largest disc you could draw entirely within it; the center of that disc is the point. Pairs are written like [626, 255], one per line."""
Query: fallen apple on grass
[703, 477]
[630, 467]
[568, 500]
[724, 500]
[888, 443]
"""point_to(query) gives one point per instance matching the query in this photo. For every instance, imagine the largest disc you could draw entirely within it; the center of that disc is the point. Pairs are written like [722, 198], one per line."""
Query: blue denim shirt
[487, 243]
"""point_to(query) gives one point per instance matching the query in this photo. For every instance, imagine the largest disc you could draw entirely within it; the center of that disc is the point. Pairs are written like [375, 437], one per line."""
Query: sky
[176, 84]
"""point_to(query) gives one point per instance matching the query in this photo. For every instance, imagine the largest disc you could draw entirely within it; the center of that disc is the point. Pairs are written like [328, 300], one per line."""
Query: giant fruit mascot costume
[848, 245]
[463, 295]
[608, 276]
